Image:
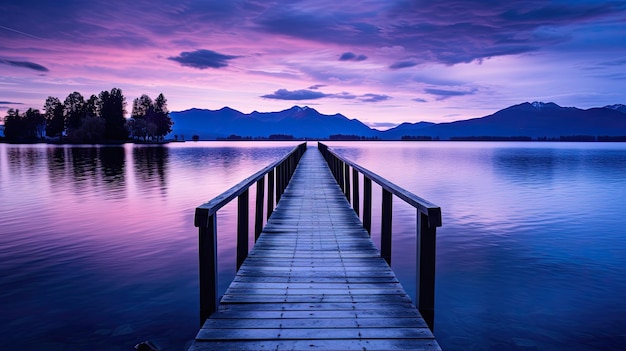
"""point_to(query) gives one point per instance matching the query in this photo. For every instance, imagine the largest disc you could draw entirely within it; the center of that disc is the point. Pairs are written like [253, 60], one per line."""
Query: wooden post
[289, 163]
[385, 230]
[367, 204]
[283, 171]
[207, 243]
[426, 238]
[270, 193]
[346, 181]
[242, 228]
[341, 178]
[355, 191]
[279, 181]
[258, 213]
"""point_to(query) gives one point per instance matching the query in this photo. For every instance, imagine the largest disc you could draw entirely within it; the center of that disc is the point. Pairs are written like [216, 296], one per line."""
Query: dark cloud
[297, 20]
[420, 100]
[374, 97]
[443, 94]
[284, 94]
[350, 56]
[10, 103]
[402, 64]
[317, 86]
[442, 31]
[202, 59]
[619, 62]
[25, 64]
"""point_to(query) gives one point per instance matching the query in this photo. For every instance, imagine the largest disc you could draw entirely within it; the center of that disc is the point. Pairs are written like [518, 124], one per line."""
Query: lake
[98, 248]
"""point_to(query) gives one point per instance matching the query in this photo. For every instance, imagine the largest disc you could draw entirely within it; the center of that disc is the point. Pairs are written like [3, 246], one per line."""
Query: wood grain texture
[315, 281]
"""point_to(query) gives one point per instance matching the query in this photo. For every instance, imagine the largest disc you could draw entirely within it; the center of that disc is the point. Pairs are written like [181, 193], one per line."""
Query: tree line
[96, 119]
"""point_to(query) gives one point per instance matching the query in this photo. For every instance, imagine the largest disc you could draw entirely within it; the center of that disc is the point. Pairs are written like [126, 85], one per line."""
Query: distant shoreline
[454, 139]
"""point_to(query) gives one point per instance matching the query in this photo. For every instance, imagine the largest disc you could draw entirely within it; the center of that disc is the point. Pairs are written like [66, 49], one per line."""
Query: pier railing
[346, 173]
[278, 175]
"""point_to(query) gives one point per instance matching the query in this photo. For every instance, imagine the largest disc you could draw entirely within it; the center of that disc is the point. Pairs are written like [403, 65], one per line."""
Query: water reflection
[113, 160]
[24, 160]
[151, 166]
[57, 167]
[532, 253]
[83, 248]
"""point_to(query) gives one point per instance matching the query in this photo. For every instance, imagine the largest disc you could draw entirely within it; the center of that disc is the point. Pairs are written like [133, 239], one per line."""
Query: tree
[150, 119]
[92, 106]
[138, 128]
[54, 116]
[27, 126]
[34, 124]
[112, 109]
[74, 110]
[141, 106]
[13, 125]
[140, 125]
[161, 117]
[91, 131]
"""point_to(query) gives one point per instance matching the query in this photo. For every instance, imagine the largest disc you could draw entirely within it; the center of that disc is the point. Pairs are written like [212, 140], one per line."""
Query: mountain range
[532, 120]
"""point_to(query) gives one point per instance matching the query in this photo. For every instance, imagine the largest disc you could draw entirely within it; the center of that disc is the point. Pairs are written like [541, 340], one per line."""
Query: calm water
[97, 244]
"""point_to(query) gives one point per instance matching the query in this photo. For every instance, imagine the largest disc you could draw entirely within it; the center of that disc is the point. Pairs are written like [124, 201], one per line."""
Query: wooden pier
[314, 279]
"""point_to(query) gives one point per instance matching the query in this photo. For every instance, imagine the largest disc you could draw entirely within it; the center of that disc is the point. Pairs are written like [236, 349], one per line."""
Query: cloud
[350, 56]
[402, 64]
[618, 62]
[344, 95]
[10, 103]
[25, 64]
[317, 86]
[420, 100]
[382, 124]
[203, 59]
[307, 94]
[446, 31]
[284, 94]
[374, 97]
[443, 94]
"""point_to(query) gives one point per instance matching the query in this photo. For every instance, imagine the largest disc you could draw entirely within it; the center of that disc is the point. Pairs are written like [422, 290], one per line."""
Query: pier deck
[315, 281]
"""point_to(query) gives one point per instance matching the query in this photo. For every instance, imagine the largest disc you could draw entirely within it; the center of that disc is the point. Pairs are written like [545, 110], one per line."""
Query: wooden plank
[313, 298]
[298, 279]
[281, 323]
[313, 334]
[290, 286]
[314, 314]
[378, 291]
[317, 306]
[346, 345]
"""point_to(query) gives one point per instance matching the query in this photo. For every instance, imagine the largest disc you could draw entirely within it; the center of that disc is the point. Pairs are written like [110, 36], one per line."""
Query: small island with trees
[98, 119]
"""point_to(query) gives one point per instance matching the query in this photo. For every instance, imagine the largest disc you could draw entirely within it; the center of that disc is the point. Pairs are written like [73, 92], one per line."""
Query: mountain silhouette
[301, 122]
[534, 120]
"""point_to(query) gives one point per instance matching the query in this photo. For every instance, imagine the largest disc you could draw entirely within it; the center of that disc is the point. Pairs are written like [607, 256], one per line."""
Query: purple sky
[382, 61]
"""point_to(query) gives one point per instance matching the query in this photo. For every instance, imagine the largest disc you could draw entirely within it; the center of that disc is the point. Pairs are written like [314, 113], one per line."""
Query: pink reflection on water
[108, 231]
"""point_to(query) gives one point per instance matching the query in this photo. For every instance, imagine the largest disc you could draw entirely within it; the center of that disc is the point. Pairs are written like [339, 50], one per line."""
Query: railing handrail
[278, 175]
[433, 211]
[212, 206]
[428, 219]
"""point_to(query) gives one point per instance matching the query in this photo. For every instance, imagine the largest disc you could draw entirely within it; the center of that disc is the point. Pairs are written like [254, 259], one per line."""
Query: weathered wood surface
[315, 281]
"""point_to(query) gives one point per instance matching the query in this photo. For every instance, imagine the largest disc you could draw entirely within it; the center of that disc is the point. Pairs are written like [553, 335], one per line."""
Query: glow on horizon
[384, 63]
